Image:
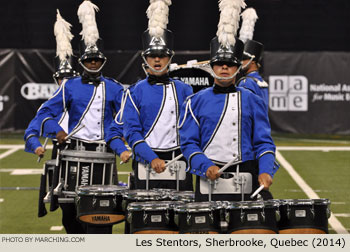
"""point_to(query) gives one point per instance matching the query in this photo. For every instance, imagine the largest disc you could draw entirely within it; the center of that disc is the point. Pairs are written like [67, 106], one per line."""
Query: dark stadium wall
[283, 25]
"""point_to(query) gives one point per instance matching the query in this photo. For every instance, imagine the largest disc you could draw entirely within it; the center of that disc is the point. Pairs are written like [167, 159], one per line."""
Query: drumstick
[130, 154]
[228, 165]
[257, 191]
[174, 160]
[44, 146]
[74, 131]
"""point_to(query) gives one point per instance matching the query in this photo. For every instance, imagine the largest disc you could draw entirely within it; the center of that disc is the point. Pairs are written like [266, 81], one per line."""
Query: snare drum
[252, 217]
[151, 217]
[100, 204]
[183, 196]
[198, 217]
[85, 168]
[304, 216]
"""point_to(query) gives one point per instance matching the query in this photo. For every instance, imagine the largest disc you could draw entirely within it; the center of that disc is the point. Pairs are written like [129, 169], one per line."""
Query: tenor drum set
[85, 178]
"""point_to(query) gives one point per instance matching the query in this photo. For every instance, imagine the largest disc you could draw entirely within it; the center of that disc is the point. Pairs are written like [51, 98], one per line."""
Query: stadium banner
[309, 91]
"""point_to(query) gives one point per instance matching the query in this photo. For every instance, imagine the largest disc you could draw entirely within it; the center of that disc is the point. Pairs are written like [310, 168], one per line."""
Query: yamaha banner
[309, 93]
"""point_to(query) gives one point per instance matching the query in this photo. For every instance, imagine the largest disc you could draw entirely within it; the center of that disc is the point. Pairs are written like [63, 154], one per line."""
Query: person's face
[59, 81]
[223, 69]
[93, 64]
[158, 62]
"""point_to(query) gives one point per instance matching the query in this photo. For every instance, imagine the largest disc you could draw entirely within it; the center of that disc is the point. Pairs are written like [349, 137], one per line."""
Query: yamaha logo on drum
[100, 218]
[196, 81]
[85, 175]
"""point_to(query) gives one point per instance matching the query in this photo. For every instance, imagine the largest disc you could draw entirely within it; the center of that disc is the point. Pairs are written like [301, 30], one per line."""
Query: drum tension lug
[227, 216]
[129, 217]
[263, 215]
[288, 212]
[94, 200]
[188, 219]
[167, 219]
[242, 216]
[278, 215]
[144, 217]
[211, 218]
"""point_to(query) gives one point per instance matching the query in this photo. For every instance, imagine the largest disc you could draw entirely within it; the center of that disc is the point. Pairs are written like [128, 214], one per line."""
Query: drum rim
[133, 194]
[151, 205]
[207, 206]
[83, 190]
[86, 154]
[251, 204]
[300, 202]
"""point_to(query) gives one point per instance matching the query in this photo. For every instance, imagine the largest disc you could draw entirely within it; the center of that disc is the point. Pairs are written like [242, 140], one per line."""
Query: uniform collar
[159, 80]
[89, 79]
[224, 90]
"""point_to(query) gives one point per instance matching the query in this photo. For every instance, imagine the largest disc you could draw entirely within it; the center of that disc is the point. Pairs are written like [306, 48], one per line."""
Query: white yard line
[333, 221]
[19, 146]
[56, 228]
[9, 152]
[30, 171]
[313, 148]
[345, 215]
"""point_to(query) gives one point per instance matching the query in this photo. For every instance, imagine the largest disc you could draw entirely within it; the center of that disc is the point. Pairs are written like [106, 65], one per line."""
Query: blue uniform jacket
[141, 111]
[76, 97]
[262, 90]
[202, 118]
[32, 134]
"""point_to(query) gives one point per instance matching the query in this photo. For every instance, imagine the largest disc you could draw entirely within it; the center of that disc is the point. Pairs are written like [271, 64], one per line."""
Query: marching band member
[90, 100]
[252, 58]
[225, 123]
[64, 63]
[152, 109]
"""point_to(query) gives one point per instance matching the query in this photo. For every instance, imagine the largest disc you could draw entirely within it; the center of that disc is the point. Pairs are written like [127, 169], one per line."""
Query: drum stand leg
[210, 190]
[148, 168]
[177, 170]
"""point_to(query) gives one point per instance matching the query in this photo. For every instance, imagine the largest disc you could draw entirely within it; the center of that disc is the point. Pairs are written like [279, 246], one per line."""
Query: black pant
[69, 219]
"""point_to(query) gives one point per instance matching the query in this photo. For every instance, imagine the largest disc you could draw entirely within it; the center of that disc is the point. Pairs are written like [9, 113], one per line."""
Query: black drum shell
[252, 219]
[199, 228]
[138, 224]
[94, 213]
[317, 221]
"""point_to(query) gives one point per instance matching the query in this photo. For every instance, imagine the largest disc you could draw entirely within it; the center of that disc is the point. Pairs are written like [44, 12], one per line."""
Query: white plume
[86, 14]
[157, 13]
[249, 18]
[229, 21]
[63, 37]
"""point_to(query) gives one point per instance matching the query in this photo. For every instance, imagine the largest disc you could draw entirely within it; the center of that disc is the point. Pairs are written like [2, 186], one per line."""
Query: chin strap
[250, 60]
[224, 78]
[92, 71]
[146, 65]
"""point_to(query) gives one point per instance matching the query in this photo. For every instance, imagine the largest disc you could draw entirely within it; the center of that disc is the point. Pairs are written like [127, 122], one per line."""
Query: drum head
[199, 207]
[252, 204]
[185, 196]
[151, 206]
[101, 190]
[304, 202]
[194, 76]
[87, 155]
[144, 195]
